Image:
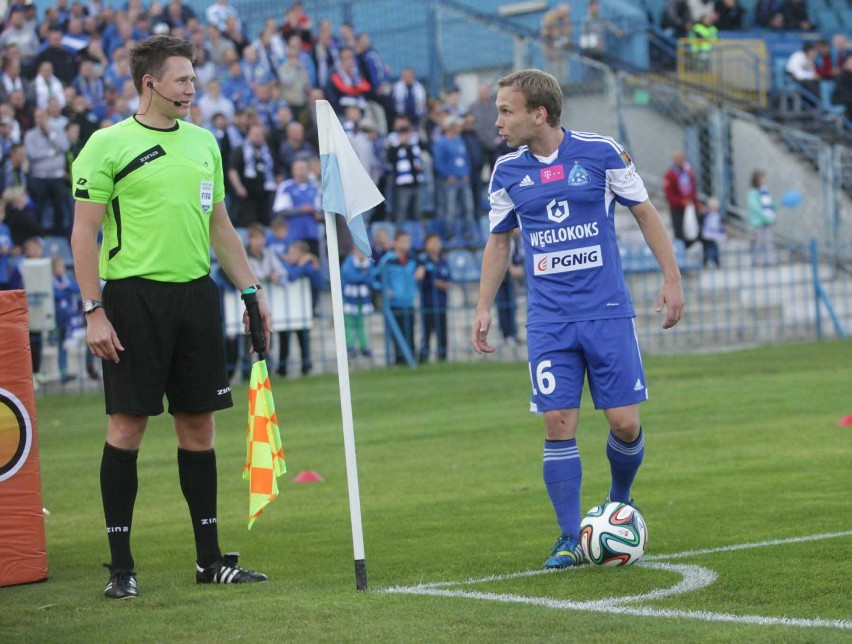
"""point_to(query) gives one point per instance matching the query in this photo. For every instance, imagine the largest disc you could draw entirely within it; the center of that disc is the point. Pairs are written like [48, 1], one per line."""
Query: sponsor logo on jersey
[553, 173]
[542, 238]
[564, 261]
[578, 176]
[557, 211]
[526, 182]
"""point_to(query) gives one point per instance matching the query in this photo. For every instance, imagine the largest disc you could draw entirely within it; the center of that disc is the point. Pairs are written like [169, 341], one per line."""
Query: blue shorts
[560, 356]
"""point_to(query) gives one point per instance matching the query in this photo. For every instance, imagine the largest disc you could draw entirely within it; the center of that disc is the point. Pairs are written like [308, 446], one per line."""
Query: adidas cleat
[226, 571]
[121, 585]
[566, 553]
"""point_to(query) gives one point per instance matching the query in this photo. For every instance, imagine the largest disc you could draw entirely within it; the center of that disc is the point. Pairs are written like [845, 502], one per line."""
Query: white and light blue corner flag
[346, 187]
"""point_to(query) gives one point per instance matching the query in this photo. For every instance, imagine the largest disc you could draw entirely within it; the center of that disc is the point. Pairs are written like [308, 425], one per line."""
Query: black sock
[118, 491]
[198, 483]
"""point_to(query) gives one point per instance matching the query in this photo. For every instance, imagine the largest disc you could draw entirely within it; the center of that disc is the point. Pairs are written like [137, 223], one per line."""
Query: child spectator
[761, 218]
[506, 300]
[263, 262]
[381, 244]
[433, 297]
[300, 263]
[712, 232]
[68, 311]
[397, 274]
[276, 237]
[355, 276]
[31, 248]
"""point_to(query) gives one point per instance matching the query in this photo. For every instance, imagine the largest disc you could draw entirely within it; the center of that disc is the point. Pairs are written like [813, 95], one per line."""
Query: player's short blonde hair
[540, 89]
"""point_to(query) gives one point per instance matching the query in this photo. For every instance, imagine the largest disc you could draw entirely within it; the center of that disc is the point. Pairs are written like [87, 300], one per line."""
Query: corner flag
[346, 187]
[346, 190]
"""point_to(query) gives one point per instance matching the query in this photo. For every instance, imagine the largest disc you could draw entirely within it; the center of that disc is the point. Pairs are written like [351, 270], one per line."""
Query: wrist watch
[90, 306]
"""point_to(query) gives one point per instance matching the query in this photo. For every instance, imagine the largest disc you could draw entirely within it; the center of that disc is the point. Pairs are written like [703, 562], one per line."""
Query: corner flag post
[347, 190]
[346, 403]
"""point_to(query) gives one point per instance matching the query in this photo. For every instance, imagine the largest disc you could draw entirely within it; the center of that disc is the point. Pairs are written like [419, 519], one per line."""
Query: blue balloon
[791, 198]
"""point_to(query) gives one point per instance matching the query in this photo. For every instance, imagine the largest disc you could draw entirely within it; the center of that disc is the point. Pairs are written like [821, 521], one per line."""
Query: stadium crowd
[65, 74]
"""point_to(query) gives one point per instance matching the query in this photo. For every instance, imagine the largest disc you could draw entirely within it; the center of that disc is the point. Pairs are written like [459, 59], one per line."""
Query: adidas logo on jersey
[526, 182]
[638, 386]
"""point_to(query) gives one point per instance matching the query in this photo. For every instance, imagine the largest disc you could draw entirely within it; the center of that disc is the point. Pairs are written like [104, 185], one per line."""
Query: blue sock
[563, 474]
[624, 461]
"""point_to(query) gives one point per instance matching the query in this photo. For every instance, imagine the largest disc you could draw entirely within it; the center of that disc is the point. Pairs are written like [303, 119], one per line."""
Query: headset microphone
[176, 103]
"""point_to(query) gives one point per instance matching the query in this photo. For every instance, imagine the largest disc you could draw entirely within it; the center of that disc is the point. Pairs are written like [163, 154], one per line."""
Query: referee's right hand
[101, 337]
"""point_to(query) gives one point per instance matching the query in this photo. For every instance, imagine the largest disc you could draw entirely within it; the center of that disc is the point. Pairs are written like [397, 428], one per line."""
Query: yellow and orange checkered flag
[264, 453]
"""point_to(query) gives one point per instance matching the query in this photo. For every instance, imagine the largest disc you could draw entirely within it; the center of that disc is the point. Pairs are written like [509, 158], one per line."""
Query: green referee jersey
[159, 187]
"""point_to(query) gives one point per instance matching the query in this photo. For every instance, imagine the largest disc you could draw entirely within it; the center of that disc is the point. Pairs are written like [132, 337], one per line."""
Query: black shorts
[172, 339]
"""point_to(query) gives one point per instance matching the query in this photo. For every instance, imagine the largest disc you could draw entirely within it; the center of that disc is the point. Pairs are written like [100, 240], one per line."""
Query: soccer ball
[613, 534]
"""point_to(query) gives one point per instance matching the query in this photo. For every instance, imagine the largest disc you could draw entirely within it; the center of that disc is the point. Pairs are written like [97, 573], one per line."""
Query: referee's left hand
[265, 318]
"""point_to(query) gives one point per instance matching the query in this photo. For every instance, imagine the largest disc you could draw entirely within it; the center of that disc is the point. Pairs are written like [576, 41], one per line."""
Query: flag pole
[345, 401]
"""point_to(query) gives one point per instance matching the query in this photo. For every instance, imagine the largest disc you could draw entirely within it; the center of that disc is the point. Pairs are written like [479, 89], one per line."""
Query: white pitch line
[747, 546]
[603, 607]
[694, 578]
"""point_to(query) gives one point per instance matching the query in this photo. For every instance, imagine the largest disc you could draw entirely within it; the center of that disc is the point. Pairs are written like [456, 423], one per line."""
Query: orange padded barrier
[23, 557]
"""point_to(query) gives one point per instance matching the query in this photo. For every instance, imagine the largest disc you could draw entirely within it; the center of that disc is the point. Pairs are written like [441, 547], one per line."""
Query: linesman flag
[346, 187]
[264, 452]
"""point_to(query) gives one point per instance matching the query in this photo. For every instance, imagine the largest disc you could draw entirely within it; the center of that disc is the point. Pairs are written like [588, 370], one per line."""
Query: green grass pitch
[742, 448]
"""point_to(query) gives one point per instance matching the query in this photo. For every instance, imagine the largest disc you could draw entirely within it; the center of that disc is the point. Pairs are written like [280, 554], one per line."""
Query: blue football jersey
[564, 206]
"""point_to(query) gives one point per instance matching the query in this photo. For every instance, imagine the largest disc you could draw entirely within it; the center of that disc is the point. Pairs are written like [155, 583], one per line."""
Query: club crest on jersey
[578, 176]
[557, 210]
[553, 173]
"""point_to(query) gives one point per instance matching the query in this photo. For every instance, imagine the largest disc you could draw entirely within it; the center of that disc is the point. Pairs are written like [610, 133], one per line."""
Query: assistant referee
[154, 184]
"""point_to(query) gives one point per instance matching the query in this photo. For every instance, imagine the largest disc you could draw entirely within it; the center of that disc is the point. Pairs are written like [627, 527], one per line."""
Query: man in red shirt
[681, 190]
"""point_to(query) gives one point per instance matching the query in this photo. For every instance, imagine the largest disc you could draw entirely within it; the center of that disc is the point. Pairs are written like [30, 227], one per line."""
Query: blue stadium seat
[58, 246]
[789, 91]
[826, 89]
[463, 266]
[684, 263]
[827, 19]
[484, 228]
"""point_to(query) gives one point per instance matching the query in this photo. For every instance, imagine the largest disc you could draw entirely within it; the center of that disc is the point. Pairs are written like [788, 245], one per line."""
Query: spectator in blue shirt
[276, 237]
[434, 289]
[236, 87]
[68, 311]
[396, 275]
[452, 169]
[300, 262]
[5, 249]
[356, 280]
[298, 201]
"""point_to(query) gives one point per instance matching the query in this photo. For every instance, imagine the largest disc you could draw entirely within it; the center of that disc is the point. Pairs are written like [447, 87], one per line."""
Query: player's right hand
[479, 334]
[101, 337]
